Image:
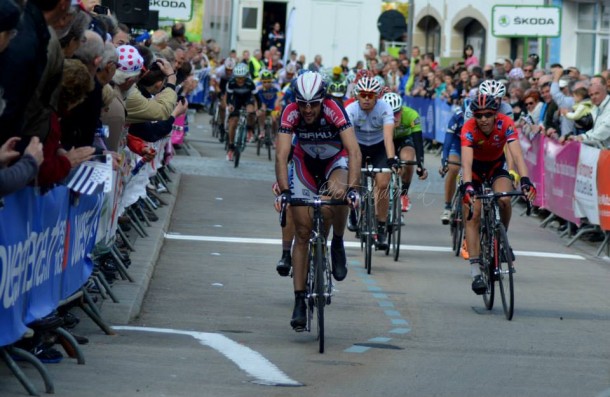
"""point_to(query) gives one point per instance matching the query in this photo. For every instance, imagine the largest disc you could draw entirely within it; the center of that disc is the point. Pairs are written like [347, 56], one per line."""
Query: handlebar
[497, 195]
[299, 202]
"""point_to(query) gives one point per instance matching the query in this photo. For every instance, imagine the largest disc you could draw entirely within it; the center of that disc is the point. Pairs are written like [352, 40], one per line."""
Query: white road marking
[352, 244]
[250, 361]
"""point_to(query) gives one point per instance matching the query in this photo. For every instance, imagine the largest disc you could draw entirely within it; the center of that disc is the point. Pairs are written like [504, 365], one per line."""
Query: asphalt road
[215, 320]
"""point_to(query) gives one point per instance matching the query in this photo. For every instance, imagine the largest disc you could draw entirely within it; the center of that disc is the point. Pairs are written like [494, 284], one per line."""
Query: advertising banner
[603, 189]
[560, 163]
[585, 190]
[533, 154]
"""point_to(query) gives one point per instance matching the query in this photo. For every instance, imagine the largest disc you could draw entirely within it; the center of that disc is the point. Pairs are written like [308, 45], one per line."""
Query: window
[586, 16]
[585, 53]
[248, 17]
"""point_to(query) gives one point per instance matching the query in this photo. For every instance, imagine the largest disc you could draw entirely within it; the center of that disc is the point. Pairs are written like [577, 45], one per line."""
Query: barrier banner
[585, 190]
[425, 108]
[533, 154]
[603, 189]
[44, 243]
[442, 114]
[560, 162]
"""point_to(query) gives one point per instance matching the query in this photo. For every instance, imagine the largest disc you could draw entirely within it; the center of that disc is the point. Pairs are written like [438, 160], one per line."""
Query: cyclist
[268, 100]
[484, 138]
[325, 145]
[222, 76]
[240, 93]
[337, 91]
[408, 142]
[452, 152]
[373, 122]
[286, 75]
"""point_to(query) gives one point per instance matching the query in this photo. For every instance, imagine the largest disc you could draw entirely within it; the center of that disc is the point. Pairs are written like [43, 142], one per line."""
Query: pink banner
[560, 165]
[533, 153]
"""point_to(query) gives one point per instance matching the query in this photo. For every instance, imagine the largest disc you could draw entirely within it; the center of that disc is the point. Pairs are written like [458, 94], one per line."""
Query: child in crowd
[582, 117]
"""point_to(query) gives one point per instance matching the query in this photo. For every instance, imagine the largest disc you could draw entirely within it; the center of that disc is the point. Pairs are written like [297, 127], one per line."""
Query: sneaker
[445, 216]
[284, 264]
[47, 355]
[464, 250]
[299, 313]
[380, 242]
[161, 188]
[405, 203]
[337, 256]
[230, 155]
[352, 221]
[478, 285]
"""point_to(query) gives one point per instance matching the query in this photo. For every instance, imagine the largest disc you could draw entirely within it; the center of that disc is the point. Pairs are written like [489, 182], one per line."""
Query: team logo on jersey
[322, 122]
[499, 125]
[293, 116]
[496, 138]
[417, 121]
[469, 137]
[510, 131]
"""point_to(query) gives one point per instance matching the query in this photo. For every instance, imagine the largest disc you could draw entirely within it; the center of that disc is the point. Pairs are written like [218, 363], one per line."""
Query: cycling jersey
[369, 126]
[410, 123]
[319, 140]
[452, 144]
[489, 147]
[239, 95]
[267, 97]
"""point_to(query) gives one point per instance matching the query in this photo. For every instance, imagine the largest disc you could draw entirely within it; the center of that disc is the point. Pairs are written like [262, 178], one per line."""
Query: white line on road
[250, 361]
[352, 244]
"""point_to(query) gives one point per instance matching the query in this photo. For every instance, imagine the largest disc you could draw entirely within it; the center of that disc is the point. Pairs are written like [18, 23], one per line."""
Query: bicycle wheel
[397, 226]
[259, 143]
[456, 224]
[240, 143]
[268, 140]
[370, 227]
[487, 269]
[504, 275]
[320, 300]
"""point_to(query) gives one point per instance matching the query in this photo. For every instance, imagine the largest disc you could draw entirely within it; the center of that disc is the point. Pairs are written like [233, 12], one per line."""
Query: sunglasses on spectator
[528, 70]
[529, 103]
[304, 104]
[367, 95]
[534, 78]
[487, 115]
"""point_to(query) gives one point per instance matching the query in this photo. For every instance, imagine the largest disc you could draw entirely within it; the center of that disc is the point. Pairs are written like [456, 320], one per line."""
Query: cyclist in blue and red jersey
[326, 144]
[484, 138]
[268, 99]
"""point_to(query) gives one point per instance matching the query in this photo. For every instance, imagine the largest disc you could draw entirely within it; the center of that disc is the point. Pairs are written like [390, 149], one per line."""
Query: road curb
[143, 261]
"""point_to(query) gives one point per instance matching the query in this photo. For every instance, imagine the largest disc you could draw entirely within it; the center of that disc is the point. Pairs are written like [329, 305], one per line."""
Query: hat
[9, 15]
[563, 83]
[500, 61]
[337, 70]
[516, 73]
[130, 60]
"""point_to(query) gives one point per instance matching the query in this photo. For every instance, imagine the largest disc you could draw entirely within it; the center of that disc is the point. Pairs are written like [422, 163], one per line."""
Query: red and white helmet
[368, 84]
[309, 87]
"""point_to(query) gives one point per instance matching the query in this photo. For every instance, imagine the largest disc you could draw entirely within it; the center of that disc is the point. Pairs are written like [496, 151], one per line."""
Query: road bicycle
[367, 225]
[496, 254]
[266, 141]
[240, 136]
[456, 219]
[319, 272]
[394, 222]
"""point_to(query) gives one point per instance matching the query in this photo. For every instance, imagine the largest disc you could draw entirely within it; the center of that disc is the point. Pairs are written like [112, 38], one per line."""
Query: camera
[101, 10]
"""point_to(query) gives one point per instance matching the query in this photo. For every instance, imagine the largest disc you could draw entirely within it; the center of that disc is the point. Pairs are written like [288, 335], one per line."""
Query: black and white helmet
[309, 87]
[394, 100]
[241, 70]
[493, 88]
[368, 84]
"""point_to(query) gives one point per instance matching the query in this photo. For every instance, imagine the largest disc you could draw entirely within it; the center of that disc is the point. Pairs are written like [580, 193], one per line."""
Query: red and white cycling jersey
[489, 147]
[321, 139]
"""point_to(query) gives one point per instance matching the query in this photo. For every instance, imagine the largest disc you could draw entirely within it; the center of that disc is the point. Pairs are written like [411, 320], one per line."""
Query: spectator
[345, 65]
[75, 35]
[549, 120]
[316, 65]
[581, 114]
[531, 115]
[469, 58]
[393, 76]
[528, 70]
[255, 64]
[178, 34]
[276, 38]
[600, 133]
[121, 36]
[498, 70]
[159, 40]
[301, 61]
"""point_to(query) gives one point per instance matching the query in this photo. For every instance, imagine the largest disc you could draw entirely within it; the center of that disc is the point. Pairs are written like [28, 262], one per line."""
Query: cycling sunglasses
[487, 115]
[304, 104]
[367, 95]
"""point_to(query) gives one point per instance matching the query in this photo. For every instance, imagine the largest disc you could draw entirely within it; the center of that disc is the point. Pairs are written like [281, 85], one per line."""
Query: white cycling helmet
[493, 88]
[241, 70]
[380, 80]
[230, 63]
[309, 87]
[394, 100]
[368, 84]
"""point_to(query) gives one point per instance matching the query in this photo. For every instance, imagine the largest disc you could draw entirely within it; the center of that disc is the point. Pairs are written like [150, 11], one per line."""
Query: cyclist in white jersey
[373, 121]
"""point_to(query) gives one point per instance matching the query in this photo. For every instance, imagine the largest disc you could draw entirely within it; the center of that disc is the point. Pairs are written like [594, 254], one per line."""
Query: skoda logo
[504, 21]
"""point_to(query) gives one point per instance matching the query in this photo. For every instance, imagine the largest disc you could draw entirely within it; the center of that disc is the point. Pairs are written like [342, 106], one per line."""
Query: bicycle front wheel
[487, 270]
[370, 227]
[397, 225]
[319, 288]
[240, 144]
[505, 274]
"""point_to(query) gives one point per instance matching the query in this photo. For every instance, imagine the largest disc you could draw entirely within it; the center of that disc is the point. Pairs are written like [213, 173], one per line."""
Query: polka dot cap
[130, 59]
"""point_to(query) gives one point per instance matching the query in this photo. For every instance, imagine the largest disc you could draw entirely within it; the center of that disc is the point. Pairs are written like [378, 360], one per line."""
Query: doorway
[273, 11]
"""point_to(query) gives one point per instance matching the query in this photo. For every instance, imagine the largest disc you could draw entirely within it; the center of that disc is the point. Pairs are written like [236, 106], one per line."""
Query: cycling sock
[405, 188]
[338, 238]
[447, 206]
[475, 269]
[285, 253]
[286, 245]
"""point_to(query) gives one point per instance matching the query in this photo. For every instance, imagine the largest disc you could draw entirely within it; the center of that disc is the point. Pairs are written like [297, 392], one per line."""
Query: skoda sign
[526, 21]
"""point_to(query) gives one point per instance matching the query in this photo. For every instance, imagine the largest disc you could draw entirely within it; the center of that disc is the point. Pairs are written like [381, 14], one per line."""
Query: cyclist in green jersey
[408, 142]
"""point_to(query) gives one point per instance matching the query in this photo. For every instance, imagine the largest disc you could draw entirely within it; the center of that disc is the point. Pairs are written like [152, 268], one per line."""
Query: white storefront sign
[178, 10]
[526, 21]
